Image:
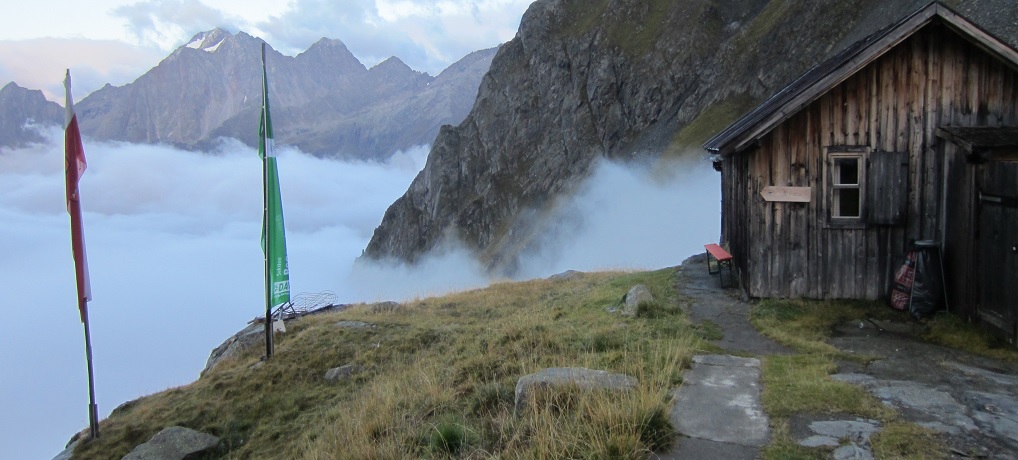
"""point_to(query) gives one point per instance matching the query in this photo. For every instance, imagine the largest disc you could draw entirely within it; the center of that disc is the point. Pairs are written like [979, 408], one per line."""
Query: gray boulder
[68, 452]
[253, 334]
[355, 325]
[174, 443]
[386, 307]
[561, 377]
[637, 295]
[566, 275]
[341, 372]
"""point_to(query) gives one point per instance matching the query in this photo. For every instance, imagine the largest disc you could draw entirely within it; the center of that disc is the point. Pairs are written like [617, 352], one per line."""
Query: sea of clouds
[176, 267]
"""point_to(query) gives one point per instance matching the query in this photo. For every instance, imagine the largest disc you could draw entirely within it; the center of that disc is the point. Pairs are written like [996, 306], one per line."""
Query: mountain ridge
[29, 107]
[210, 88]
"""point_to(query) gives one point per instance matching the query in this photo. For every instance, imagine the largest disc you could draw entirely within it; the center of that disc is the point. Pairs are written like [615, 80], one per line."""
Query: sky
[116, 41]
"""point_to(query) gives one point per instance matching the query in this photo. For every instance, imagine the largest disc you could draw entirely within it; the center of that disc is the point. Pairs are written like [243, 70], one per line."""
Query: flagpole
[265, 214]
[77, 245]
[74, 166]
[93, 408]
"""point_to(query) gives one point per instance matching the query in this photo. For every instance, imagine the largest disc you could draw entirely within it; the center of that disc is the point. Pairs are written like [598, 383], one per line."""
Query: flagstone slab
[719, 400]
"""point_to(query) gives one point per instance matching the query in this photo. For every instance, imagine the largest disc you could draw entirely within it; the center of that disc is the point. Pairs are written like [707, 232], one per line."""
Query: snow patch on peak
[196, 41]
[213, 48]
[208, 41]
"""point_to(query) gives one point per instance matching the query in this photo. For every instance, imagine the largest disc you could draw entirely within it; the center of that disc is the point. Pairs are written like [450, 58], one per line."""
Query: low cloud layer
[41, 63]
[636, 216]
[176, 267]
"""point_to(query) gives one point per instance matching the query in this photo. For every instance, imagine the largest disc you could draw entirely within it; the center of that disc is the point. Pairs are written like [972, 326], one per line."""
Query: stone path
[717, 410]
[971, 401]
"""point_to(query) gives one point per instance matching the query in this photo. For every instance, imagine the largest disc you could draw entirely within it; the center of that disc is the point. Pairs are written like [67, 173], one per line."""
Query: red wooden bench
[723, 258]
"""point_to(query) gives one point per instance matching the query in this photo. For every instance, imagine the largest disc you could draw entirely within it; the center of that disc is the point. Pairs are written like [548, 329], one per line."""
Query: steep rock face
[615, 79]
[25, 108]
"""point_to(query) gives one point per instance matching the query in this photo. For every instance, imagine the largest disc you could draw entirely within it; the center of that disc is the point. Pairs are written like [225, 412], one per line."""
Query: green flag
[277, 272]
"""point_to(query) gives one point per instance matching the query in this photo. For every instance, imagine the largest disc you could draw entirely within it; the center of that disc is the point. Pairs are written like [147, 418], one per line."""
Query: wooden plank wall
[895, 104]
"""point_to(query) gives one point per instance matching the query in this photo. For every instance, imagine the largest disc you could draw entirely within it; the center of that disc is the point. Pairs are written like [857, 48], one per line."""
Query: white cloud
[41, 64]
[427, 35]
[630, 217]
[167, 23]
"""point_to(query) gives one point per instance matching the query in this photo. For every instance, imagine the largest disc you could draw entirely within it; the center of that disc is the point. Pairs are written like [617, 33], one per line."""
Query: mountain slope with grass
[436, 378]
[616, 79]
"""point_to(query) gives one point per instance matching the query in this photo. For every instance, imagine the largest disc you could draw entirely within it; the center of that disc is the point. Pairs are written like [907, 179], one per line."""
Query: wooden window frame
[831, 154]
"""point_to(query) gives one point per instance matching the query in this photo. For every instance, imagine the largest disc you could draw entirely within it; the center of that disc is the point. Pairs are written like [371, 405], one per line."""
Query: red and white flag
[74, 167]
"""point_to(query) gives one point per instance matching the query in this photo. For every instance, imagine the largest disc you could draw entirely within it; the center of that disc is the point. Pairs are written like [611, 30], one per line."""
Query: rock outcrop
[341, 373]
[253, 334]
[560, 378]
[174, 443]
[637, 295]
[614, 78]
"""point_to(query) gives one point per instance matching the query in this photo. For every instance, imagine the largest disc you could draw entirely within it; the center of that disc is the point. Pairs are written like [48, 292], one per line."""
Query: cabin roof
[821, 78]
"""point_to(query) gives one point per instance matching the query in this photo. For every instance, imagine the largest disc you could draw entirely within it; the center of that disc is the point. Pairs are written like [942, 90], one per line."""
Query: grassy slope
[438, 379]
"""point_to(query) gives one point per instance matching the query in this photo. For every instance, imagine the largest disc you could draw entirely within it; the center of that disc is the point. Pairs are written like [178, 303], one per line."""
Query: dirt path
[723, 307]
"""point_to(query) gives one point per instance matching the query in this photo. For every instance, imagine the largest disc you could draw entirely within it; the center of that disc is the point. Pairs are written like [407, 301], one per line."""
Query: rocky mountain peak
[209, 41]
[395, 69]
[327, 44]
[392, 64]
[331, 55]
[28, 108]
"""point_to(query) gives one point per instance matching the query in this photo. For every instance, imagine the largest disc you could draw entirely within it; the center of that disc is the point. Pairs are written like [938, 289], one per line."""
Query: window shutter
[887, 188]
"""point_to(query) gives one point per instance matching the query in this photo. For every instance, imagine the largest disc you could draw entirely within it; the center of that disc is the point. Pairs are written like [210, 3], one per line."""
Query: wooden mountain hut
[909, 134]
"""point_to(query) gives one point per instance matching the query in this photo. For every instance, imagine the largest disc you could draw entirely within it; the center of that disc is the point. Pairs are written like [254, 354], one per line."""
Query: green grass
[765, 22]
[581, 16]
[437, 380]
[710, 122]
[801, 383]
[784, 447]
[906, 440]
[952, 331]
[634, 31]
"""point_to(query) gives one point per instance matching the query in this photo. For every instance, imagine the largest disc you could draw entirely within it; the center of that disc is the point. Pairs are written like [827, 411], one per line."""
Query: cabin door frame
[996, 245]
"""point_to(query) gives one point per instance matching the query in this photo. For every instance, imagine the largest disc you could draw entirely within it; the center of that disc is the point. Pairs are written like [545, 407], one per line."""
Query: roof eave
[809, 87]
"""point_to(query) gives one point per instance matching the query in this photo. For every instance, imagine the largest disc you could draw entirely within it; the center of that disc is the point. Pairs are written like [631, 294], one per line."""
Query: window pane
[846, 171]
[846, 202]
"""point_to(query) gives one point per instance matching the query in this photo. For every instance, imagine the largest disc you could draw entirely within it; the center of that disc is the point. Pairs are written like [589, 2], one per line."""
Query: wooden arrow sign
[787, 194]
